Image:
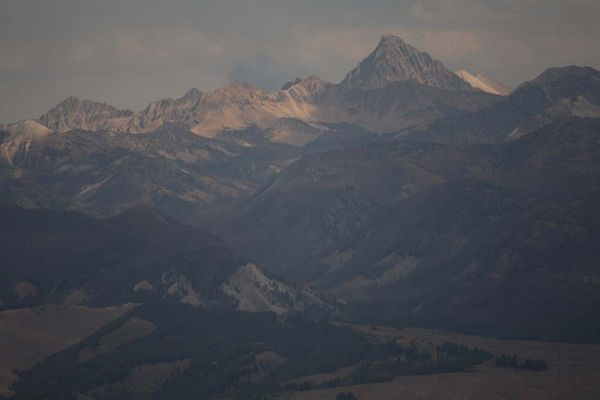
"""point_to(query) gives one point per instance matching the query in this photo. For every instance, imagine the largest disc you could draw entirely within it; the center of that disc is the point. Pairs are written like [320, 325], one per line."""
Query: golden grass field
[28, 335]
[573, 372]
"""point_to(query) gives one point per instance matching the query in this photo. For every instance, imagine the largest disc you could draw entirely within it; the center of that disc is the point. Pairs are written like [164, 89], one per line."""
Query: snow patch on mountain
[484, 84]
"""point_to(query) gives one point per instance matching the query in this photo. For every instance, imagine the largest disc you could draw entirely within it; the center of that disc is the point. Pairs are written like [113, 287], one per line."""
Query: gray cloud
[128, 53]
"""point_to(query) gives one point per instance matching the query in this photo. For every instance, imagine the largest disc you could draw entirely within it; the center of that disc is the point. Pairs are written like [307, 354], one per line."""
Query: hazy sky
[128, 53]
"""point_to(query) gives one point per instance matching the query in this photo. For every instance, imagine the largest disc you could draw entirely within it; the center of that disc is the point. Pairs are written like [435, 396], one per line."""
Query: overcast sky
[129, 53]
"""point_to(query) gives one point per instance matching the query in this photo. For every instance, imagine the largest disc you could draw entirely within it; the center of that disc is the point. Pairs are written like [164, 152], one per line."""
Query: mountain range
[364, 97]
[406, 194]
[219, 148]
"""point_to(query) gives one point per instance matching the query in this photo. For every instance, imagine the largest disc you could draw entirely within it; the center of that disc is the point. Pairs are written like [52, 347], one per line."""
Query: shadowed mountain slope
[438, 235]
[137, 256]
[554, 95]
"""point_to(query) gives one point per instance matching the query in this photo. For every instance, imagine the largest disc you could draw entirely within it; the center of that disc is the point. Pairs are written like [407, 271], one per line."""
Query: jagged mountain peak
[75, 113]
[394, 42]
[395, 60]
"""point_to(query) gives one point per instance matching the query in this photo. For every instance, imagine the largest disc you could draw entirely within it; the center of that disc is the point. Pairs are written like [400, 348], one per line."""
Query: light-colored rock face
[399, 105]
[394, 60]
[232, 107]
[253, 291]
[483, 83]
[29, 128]
[22, 136]
[238, 106]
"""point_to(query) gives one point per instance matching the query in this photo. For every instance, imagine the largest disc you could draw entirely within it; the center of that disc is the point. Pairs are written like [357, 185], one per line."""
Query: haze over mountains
[220, 132]
[405, 194]
[358, 99]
